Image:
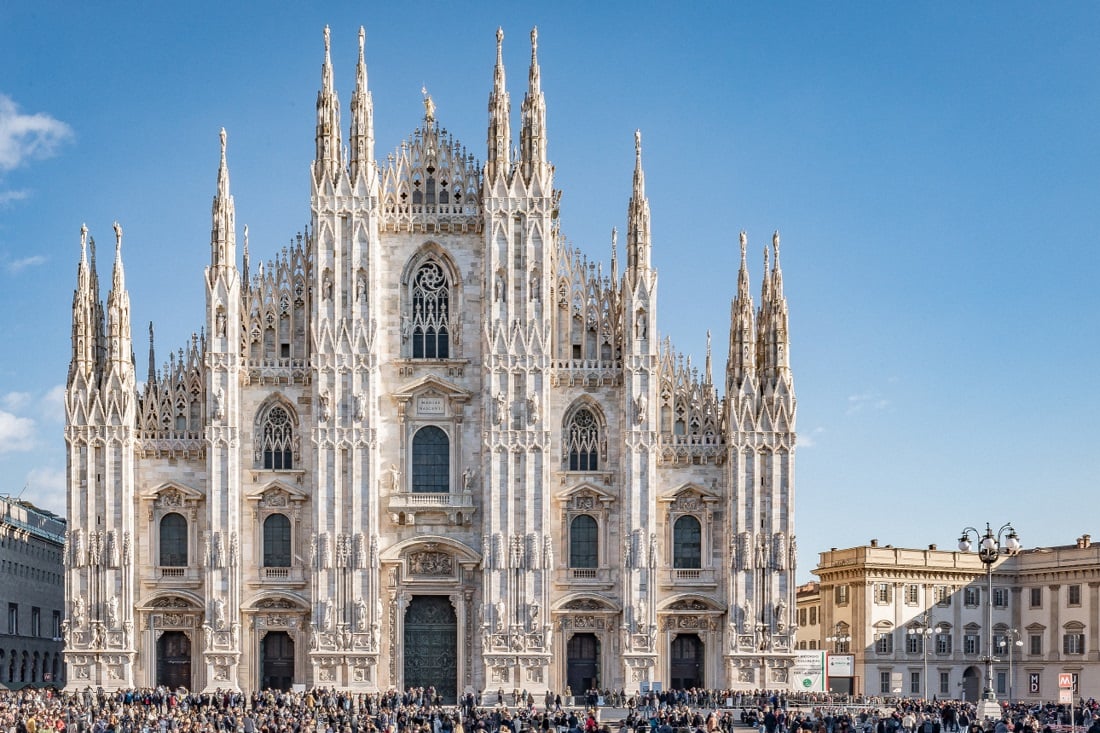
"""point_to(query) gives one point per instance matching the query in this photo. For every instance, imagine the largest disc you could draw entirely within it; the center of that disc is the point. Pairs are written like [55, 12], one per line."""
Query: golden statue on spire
[429, 105]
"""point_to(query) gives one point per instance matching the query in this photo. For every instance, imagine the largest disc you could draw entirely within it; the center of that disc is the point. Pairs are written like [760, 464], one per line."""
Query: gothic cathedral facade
[429, 444]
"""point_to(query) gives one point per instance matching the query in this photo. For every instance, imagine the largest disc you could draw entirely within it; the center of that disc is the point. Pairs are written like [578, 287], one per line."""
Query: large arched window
[173, 541]
[687, 543]
[584, 542]
[277, 440]
[431, 307]
[582, 441]
[277, 541]
[431, 461]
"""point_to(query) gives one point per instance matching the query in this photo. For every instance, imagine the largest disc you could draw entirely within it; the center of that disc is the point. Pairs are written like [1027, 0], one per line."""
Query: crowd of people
[422, 710]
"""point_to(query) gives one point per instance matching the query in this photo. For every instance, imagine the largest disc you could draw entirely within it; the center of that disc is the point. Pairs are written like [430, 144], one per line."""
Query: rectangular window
[943, 595]
[1073, 595]
[36, 621]
[884, 682]
[1073, 643]
[802, 616]
[914, 683]
[13, 618]
[912, 594]
[57, 624]
[1000, 597]
[840, 595]
[943, 643]
[1036, 597]
[813, 615]
[945, 682]
[914, 642]
[884, 643]
[1002, 683]
[972, 644]
[884, 593]
[1035, 644]
[972, 596]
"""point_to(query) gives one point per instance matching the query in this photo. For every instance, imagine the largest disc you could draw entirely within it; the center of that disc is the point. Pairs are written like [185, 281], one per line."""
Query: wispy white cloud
[16, 433]
[7, 197]
[46, 489]
[809, 440]
[53, 404]
[16, 400]
[25, 137]
[866, 401]
[16, 266]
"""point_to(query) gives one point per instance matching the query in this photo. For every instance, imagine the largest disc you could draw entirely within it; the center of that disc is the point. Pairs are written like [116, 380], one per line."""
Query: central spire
[637, 229]
[362, 116]
[327, 158]
[533, 131]
[500, 136]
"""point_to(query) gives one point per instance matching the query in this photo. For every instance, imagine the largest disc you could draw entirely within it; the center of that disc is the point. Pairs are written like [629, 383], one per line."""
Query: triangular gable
[270, 492]
[431, 384]
[172, 492]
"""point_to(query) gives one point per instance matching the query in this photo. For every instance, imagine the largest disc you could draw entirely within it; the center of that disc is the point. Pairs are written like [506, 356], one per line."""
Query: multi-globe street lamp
[925, 632]
[991, 545]
[840, 638]
[1010, 639]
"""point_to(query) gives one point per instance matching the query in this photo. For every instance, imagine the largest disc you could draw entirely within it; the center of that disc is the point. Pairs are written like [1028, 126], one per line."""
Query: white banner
[808, 673]
[842, 665]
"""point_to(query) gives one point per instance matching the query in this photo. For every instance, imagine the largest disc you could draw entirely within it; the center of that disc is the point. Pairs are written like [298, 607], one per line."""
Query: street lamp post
[991, 545]
[925, 632]
[840, 639]
[1010, 642]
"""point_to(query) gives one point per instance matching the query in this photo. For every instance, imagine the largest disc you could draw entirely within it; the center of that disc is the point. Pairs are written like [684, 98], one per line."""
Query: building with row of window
[917, 621]
[33, 592]
[430, 444]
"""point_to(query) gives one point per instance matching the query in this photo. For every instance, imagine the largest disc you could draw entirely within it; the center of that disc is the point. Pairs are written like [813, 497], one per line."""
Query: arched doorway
[972, 684]
[431, 646]
[277, 661]
[582, 656]
[174, 660]
[686, 662]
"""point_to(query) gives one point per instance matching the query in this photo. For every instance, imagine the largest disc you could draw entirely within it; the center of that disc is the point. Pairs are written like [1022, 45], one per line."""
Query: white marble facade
[429, 435]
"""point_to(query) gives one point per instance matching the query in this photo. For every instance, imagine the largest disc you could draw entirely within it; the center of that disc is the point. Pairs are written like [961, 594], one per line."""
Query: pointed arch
[430, 296]
[276, 438]
[584, 430]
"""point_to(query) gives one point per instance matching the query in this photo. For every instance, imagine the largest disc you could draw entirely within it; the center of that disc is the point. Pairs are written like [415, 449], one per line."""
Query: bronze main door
[582, 665]
[686, 663]
[174, 660]
[278, 661]
[431, 646]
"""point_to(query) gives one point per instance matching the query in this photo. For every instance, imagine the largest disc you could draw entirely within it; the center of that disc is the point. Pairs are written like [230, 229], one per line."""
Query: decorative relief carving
[429, 562]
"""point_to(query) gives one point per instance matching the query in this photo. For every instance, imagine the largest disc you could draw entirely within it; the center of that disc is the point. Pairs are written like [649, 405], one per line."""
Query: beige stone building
[32, 591]
[915, 617]
[429, 443]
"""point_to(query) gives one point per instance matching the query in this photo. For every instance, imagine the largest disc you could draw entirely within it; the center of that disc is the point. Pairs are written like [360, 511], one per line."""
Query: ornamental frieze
[431, 563]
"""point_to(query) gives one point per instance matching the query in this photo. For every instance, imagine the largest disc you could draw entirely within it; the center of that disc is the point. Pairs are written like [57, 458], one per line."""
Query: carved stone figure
[80, 612]
[498, 616]
[360, 615]
[641, 402]
[219, 404]
[468, 479]
[219, 614]
[499, 407]
[395, 478]
[533, 408]
[112, 612]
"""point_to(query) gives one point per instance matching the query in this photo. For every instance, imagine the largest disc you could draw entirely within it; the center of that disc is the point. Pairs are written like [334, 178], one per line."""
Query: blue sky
[933, 168]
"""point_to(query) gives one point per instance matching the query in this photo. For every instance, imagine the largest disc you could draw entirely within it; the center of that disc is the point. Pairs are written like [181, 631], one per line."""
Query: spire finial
[362, 41]
[429, 105]
[118, 237]
[83, 242]
[222, 136]
[775, 246]
[638, 144]
[534, 41]
[744, 244]
[328, 39]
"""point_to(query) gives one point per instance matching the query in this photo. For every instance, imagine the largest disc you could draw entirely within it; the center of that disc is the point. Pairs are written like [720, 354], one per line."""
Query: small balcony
[591, 578]
[173, 576]
[285, 577]
[690, 577]
[404, 507]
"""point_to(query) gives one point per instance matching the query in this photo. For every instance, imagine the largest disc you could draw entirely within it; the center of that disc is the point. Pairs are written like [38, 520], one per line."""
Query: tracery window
[277, 440]
[687, 543]
[173, 541]
[277, 541]
[583, 542]
[582, 441]
[431, 306]
[431, 458]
